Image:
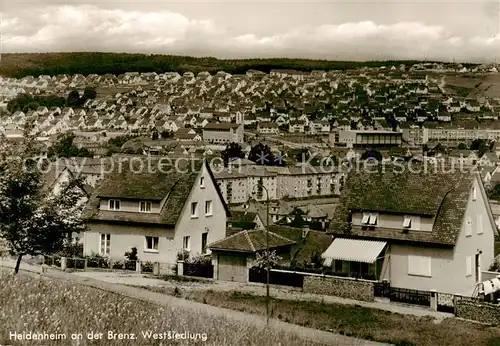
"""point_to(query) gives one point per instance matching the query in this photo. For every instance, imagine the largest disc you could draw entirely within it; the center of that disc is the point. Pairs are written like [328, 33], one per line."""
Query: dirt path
[173, 302]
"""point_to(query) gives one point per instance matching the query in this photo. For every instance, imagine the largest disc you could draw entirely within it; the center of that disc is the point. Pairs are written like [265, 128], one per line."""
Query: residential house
[489, 159]
[413, 228]
[463, 157]
[161, 212]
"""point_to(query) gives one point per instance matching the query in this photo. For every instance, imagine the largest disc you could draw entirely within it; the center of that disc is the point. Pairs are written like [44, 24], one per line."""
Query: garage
[233, 255]
[232, 267]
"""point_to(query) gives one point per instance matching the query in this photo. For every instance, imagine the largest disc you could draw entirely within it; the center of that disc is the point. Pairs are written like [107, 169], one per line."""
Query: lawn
[354, 320]
[53, 306]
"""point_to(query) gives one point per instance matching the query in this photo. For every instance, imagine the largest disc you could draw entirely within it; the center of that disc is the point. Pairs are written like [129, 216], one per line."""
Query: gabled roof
[441, 195]
[250, 241]
[170, 186]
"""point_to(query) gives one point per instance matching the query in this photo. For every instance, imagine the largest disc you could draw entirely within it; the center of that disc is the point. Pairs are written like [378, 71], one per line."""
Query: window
[208, 208]
[366, 218]
[407, 222]
[114, 204]
[202, 182]
[474, 193]
[105, 247]
[186, 243]
[338, 268]
[419, 265]
[204, 238]
[468, 227]
[373, 219]
[145, 207]
[194, 209]
[468, 266]
[152, 243]
[479, 223]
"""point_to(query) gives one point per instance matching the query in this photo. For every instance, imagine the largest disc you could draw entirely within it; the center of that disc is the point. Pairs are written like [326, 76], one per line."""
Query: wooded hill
[33, 64]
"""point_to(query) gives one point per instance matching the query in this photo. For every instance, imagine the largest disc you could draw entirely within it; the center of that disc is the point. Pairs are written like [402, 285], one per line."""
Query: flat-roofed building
[363, 138]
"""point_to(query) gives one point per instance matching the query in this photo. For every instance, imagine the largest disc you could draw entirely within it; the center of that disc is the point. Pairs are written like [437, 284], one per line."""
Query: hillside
[20, 65]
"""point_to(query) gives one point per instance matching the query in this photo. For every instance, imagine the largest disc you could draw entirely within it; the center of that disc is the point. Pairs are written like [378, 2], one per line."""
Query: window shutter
[419, 265]
[468, 266]
[468, 227]
[479, 223]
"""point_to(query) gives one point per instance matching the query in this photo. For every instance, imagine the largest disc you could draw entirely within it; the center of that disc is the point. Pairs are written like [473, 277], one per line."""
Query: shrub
[75, 263]
[183, 255]
[147, 267]
[132, 254]
[118, 265]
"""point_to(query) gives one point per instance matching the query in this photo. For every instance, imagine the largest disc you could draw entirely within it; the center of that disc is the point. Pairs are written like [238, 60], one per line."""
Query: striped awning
[491, 286]
[354, 250]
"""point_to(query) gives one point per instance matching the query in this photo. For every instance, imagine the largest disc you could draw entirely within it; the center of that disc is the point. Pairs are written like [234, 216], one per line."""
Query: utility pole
[268, 264]
[267, 260]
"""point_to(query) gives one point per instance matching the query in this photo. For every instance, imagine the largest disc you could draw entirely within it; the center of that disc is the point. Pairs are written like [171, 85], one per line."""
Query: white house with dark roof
[161, 213]
[423, 231]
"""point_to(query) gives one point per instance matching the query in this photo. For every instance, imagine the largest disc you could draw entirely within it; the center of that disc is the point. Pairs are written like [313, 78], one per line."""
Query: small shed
[232, 257]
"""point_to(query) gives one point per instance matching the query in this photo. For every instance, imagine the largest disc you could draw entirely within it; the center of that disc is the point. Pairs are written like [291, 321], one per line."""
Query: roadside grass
[352, 320]
[44, 305]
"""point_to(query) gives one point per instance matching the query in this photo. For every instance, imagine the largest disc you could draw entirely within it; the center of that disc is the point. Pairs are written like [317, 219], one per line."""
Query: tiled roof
[242, 216]
[250, 241]
[442, 195]
[172, 188]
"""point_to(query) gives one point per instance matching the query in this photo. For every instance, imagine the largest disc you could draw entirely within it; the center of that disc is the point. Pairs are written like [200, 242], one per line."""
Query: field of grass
[52, 306]
[354, 320]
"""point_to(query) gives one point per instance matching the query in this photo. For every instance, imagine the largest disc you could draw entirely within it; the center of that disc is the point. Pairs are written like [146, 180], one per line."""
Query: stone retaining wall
[480, 312]
[344, 288]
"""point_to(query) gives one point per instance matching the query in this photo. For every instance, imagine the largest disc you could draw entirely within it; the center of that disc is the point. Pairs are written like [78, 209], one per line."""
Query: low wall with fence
[478, 311]
[340, 287]
[97, 263]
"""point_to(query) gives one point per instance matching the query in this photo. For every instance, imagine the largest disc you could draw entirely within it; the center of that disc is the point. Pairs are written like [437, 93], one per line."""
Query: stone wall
[344, 288]
[480, 312]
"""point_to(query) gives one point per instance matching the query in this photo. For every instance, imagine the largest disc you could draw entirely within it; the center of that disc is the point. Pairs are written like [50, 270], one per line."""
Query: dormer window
[407, 222]
[145, 207]
[369, 219]
[366, 218]
[114, 204]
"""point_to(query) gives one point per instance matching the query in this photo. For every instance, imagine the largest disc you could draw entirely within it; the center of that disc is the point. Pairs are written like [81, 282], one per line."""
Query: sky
[444, 30]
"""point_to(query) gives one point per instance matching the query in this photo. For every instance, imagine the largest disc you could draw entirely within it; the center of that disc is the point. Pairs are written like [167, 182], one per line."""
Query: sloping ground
[490, 86]
[473, 85]
[463, 85]
[147, 310]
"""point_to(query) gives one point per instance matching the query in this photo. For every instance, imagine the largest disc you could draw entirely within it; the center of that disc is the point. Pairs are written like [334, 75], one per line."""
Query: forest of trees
[21, 65]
